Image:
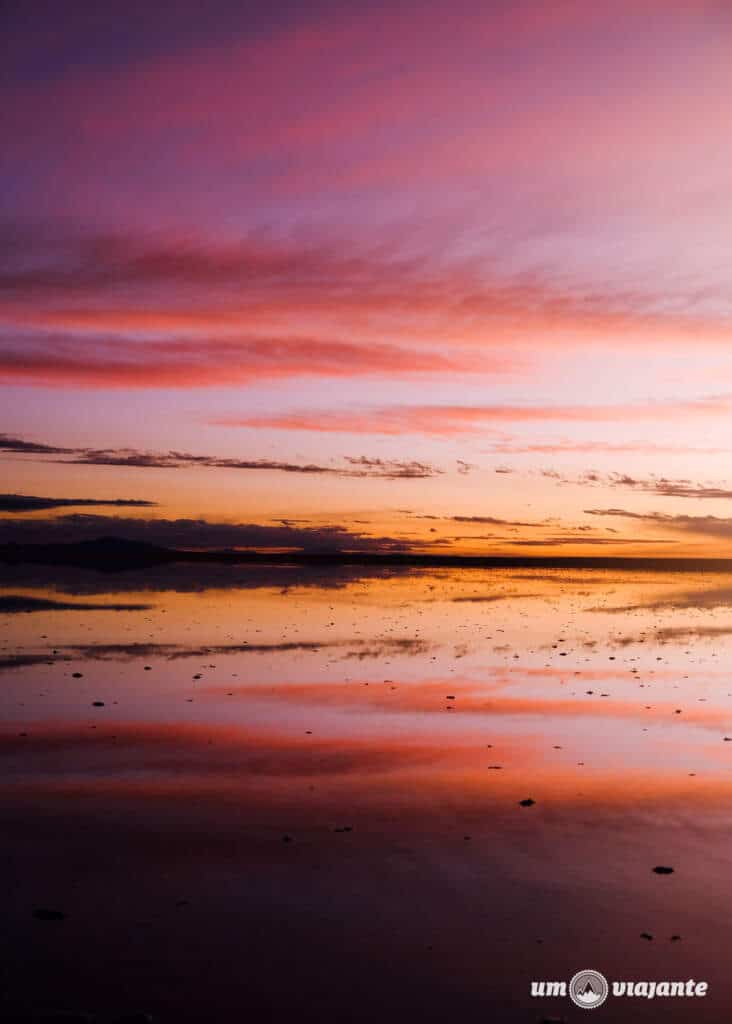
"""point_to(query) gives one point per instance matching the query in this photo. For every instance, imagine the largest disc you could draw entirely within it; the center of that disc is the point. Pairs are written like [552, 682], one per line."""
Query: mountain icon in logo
[588, 989]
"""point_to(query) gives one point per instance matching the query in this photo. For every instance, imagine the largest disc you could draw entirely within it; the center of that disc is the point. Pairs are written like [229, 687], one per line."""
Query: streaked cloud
[450, 420]
[710, 526]
[660, 485]
[356, 466]
[31, 503]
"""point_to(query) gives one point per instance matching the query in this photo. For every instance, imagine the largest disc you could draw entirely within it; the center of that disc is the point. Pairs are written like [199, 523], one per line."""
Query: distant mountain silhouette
[110, 553]
[114, 554]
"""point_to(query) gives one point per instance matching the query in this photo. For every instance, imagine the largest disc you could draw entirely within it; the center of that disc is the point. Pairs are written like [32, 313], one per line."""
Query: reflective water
[279, 793]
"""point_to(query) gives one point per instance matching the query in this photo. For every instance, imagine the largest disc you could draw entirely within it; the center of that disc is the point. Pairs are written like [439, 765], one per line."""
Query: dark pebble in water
[647, 936]
[44, 914]
[676, 938]
[77, 675]
[660, 869]
[528, 802]
[287, 839]
[98, 704]
[344, 828]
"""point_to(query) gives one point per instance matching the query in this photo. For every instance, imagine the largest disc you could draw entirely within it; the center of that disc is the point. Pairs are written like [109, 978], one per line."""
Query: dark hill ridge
[104, 553]
[114, 554]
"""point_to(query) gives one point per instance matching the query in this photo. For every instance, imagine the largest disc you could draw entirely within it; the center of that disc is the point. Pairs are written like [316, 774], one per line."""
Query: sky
[406, 276]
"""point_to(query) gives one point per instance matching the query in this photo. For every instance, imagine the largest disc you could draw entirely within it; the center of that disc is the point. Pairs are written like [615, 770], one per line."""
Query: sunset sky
[450, 277]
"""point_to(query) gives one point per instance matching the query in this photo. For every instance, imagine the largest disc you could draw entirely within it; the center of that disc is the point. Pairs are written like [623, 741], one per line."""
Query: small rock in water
[661, 869]
[528, 802]
[647, 936]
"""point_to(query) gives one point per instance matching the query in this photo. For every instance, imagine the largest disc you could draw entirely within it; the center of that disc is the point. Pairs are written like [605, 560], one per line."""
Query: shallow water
[284, 794]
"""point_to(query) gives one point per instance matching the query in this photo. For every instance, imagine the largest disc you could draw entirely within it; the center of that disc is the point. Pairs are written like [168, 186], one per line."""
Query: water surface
[290, 795]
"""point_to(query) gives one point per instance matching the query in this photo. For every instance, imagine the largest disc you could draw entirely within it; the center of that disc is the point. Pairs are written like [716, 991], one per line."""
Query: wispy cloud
[389, 468]
[357, 467]
[566, 446]
[117, 362]
[449, 420]
[573, 538]
[477, 520]
[105, 310]
[710, 526]
[30, 503]
[10, 443]
[491, 521]
[664, 486]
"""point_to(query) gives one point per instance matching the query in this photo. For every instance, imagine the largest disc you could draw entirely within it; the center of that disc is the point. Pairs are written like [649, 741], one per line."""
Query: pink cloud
[449, 420]
[191, 363]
